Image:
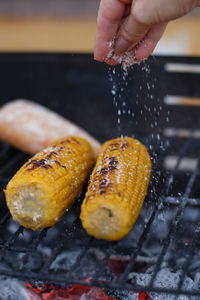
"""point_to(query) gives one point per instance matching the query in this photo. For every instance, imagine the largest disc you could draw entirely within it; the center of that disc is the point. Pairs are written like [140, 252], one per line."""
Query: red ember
[50, 292]
[74, 293]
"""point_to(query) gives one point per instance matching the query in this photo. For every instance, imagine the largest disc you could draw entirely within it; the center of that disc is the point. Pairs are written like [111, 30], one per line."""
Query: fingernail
[121, 45]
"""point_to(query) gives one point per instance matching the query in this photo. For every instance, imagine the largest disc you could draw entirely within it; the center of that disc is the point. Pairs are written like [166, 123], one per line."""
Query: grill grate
[74, 232]
[166, 235]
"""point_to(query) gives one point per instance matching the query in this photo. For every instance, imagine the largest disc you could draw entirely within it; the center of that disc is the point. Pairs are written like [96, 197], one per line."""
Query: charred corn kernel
[117, 188]
[46, 186]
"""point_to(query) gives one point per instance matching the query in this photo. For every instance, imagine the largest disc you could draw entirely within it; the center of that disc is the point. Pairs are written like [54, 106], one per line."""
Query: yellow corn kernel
[117, 189]
[47, 185]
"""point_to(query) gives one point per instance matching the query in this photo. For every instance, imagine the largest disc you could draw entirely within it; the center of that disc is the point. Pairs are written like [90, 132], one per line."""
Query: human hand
[129, 30]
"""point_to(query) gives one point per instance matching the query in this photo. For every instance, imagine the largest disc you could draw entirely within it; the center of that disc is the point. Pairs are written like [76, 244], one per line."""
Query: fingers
[143, 50]
[124, 24]
[146, 14]
[146, 47]
[109, 16]
[130, 34]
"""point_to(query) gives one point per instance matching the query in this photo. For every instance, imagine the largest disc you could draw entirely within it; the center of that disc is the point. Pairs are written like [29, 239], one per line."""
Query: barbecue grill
[162, 98]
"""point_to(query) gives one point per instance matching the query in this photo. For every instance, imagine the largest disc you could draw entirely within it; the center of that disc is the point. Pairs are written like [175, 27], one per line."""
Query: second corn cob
[47, 185]
[117, 189]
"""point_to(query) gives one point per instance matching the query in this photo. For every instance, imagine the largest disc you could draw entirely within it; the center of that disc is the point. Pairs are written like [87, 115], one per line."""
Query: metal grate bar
[14, 249]
[63, 237]
[33, 247]
[62, 283]
[189, 255]
[124, 276]
[176, 201]
[4, 218]
[104, 262]
[11, 240]
[173, 225]
[180, 157]
[81, 255]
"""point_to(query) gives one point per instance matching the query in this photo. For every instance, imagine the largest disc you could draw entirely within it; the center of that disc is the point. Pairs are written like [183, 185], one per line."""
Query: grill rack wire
[11, 159]
[44, 275]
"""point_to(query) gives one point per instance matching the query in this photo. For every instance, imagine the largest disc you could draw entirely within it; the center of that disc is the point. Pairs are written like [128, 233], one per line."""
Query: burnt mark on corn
[66, 141]
[111, 168]
[104, 171]
[76, 141]
[43, 163]
[124, 146]
[113, 162]
[46, 167]
[104, 183]
[112, 158]
[38, 163]
[49, 156]
[102, 192]
[114, 146]
[30, 162]
[71, 140]
[59, 164]
[58, 149]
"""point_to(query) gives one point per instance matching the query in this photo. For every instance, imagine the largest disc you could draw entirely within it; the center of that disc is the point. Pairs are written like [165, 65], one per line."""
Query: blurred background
[70, 25]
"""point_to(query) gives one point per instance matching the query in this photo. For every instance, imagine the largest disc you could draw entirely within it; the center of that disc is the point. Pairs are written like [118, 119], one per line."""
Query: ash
[13, 289]
[165, 279]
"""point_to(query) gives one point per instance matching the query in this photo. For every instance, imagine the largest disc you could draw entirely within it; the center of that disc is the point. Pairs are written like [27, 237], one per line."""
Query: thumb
[131, 32]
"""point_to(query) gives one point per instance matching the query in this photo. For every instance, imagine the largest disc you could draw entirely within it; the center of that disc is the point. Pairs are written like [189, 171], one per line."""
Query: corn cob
[117, 188]
[46, 186]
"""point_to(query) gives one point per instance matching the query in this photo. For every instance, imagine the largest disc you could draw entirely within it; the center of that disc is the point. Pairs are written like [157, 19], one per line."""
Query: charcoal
[30, 263]
[65, 260]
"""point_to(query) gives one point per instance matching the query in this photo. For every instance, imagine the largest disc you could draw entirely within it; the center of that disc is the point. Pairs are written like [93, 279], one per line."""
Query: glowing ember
[143, 296]
[50, 292]
[74, 293]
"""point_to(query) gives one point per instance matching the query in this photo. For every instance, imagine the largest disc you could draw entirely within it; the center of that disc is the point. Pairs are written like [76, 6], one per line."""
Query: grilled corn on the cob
[117, 189]
[46, 186]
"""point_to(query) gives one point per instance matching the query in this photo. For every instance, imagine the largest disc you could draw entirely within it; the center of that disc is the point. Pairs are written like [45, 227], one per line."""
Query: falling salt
[119, 82]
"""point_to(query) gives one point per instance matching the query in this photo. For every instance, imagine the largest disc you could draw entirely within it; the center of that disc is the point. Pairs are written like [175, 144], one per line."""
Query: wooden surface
[47, 34]
[76, 34]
